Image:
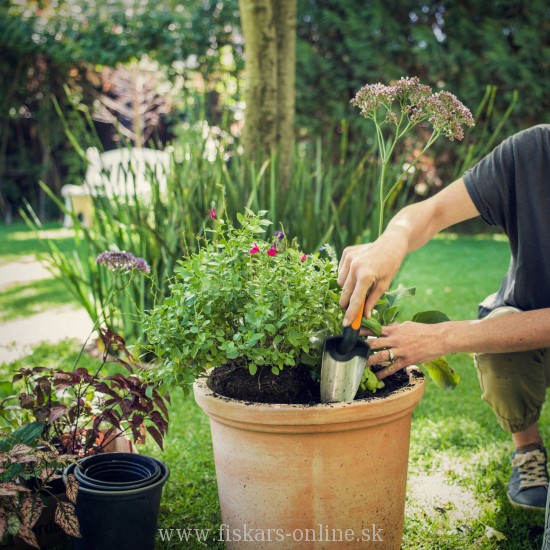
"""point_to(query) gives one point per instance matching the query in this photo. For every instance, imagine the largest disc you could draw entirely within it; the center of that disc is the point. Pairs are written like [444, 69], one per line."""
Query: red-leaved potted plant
[77, 414]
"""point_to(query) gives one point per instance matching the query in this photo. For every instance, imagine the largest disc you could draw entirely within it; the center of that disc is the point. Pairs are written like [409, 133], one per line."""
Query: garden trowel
[344, 360]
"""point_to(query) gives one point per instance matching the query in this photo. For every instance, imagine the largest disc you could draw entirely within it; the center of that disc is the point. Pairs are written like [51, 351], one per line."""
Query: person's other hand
[406, 344]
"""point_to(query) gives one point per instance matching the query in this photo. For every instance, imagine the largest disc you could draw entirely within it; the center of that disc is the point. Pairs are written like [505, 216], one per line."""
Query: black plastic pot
[118, 510]
[106, 478]
[111, 472]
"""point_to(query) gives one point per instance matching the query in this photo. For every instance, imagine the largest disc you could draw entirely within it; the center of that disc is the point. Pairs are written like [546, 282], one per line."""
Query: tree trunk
[269, 30]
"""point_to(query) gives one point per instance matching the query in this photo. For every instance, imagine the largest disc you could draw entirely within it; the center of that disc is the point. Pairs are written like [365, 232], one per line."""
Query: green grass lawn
[17, 240]
[459, 457]
[24, 299]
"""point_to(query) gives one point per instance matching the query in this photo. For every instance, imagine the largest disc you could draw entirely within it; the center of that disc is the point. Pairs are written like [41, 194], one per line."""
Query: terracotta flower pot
[323, 476]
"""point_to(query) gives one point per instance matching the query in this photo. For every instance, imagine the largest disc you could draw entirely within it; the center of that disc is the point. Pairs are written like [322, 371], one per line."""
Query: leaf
[293, 338]
[430, 317]
[110, 416]
[22, 453]
[27, 534]
[13, 524]
[125, 364]
[252, 369]
[31, 508]
[29, 433]
[444, 377]
[241, 219]
[254, 339]
[26, 401]
[6, 389]
[160, 423]
[389, 315]
[11, 489]
[400, 293]
[72, 488]
[232, 353]
[369, 380]
[372, 324]
[3, 524]
[65, 517]
[159, 402]
[57, 412]
[156, 435]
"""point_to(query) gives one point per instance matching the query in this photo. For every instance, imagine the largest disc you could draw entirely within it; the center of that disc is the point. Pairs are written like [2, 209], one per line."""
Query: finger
[397, 365]
[347, 292]
[343, 267]
[379, 357]
[381, 342]
[356, 302]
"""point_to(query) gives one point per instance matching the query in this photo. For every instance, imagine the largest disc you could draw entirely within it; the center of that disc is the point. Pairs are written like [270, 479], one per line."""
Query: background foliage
[197, 45]
[462, 46]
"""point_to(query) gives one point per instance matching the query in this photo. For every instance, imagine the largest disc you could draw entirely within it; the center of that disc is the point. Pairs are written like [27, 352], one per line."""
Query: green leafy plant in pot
[255, 313]
[249, 306]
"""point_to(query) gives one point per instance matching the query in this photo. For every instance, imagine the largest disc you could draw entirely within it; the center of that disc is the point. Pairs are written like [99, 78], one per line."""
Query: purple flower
[279, 235]
[443, 110]
[212, 214]
[372, 96]
[447, 114]
[122, 261]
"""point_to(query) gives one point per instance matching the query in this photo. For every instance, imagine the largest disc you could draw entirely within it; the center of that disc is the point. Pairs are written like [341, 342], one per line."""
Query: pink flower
[272, 251]
[303, 258]
[254, 249]
[212, 214]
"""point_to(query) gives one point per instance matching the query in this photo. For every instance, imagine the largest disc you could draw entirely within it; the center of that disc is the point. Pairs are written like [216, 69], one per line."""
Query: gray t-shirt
[510, 187]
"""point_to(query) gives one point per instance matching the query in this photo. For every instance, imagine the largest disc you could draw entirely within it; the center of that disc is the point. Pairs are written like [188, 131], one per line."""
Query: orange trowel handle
[351, 333]
[356, 324]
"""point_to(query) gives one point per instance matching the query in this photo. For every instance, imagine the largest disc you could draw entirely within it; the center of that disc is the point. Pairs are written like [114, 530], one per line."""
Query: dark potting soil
[291, 385]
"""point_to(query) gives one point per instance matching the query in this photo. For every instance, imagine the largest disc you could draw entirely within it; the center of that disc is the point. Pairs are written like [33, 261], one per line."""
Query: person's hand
[406, 344]
[367, 269]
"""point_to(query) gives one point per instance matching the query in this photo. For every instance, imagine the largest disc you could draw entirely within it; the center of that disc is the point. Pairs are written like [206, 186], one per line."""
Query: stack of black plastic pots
[118, 500]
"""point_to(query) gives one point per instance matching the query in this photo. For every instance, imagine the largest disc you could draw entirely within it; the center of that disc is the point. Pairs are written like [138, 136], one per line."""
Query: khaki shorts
[514, 384]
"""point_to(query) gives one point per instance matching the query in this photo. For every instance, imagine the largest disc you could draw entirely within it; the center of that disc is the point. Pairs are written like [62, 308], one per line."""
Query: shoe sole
[524, 506]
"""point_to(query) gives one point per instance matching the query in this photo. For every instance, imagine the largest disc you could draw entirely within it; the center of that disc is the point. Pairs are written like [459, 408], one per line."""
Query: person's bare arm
[369, 268]
[415, 343]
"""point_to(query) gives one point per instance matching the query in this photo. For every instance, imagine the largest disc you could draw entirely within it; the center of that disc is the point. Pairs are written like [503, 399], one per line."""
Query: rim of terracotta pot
[292, 418]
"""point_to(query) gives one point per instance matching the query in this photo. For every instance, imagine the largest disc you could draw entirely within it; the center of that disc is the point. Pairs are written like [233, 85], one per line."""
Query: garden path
[19, 336]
